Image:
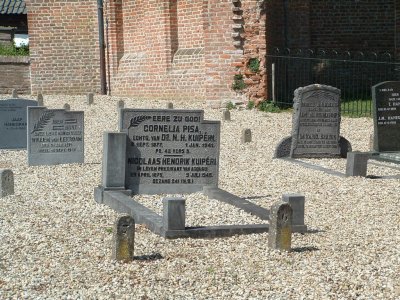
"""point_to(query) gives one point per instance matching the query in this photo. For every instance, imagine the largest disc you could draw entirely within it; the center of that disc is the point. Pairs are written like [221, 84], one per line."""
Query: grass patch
[11, 50]
[356, 108]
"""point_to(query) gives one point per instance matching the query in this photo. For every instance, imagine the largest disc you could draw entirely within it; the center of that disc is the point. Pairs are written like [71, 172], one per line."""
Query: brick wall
[63, 46]
[14, 74]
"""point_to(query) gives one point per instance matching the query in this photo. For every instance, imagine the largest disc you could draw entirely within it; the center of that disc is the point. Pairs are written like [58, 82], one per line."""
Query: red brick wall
[63, 46]
[14, 74]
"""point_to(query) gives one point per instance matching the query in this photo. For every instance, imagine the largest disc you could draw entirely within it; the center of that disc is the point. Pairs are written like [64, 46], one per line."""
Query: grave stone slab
[386, 113]
[170, 151]
[55, 136]
[6, 182]
[13, 123]
[316, 125]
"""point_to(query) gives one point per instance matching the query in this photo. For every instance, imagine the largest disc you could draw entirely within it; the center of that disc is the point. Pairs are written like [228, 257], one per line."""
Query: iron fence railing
[354, 73]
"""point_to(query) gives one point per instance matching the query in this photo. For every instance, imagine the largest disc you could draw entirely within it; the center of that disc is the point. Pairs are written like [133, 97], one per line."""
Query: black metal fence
[354, 73]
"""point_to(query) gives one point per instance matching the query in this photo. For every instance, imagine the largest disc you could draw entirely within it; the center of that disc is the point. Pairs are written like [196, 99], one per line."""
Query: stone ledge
[14, 59]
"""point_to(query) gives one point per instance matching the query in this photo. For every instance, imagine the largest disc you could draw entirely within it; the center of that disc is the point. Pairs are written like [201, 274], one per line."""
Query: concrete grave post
[14, 93]
[226, 115]
[123, 239]
[90, 98]
[121, 104]
[114, 159]
[67, 107]
[246, 136]
[296, 202]
[174, 212]
[170, 105]
[6, 182]
[280, 226]
[356, 164]
[40, 99]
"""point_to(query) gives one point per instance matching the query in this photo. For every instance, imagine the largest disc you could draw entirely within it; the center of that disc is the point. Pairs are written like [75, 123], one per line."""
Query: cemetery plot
[13, 123]
[55, 136]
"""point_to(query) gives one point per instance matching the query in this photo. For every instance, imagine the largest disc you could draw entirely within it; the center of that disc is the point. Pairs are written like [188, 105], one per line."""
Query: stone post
[114, 156]
[170, 105]
[356, 164]
[40, 99]
[123, 238]
[6, 182]
[67, 107]
[120, 104]
[280, 226]
[226, 115]
[14, 93]
[90, 98]
[246, 136]
[174, 213]
[296, 202]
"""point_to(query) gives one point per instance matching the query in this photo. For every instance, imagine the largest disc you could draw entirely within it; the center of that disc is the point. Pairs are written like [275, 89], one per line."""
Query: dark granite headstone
[386, 111]
[170, 151]
[13, 123]
[55, 136]
[316, 125]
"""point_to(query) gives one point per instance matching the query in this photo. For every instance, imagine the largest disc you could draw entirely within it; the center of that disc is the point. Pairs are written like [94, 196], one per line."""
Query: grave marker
[386, 112]
[170, 151]
[6, 182]
[55, 136]
[13, 123]
[123, 239]
[280, 226]
[316, 125]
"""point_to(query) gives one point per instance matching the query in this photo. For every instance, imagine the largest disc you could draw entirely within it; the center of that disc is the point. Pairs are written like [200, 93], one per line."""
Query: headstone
[90, 98]
[67, 107]
[121, 104]
[13, 123]
[280, 226]
[246, 136]
[6, 182]
[174, 213]
[386, 112]
[40, 99]
[226, 115]
[55, 136]
[170, 105]
[123, 239]
[14, 93]
[170, 151]
[357, 163]
[316, 125]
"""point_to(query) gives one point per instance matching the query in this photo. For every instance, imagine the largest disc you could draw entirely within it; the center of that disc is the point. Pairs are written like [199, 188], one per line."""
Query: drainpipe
[103, 81]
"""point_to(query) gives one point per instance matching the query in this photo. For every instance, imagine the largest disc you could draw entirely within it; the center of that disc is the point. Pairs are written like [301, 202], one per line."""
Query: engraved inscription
[170, 147]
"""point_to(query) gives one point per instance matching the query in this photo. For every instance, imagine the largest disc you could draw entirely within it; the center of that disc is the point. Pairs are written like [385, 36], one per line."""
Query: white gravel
[56, 241]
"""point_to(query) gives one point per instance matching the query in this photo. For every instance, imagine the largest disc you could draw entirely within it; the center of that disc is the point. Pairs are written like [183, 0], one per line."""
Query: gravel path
[56, 241]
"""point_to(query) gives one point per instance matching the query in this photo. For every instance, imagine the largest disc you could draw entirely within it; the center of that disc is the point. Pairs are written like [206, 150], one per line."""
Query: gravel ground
[56, 241]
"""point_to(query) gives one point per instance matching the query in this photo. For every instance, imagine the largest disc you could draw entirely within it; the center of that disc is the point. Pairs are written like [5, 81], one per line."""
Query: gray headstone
[6, 182]
[14, 93]
[90, 98]
[357, 164]
[114, 159]
[316, 122]
[226, 115]
[67, 107]
[246, 136]
[170, 105]
[174, 212]
[13, 123]
[386, 112]
[123, 239]
[280, 226]
[55, 136]
[40, 99]
[296, 202]
[170, 151]
[121, 104]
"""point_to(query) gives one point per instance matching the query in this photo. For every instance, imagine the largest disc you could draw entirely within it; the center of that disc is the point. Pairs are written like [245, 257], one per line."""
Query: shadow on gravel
[154, 256]
[304, 249]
